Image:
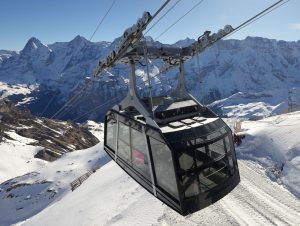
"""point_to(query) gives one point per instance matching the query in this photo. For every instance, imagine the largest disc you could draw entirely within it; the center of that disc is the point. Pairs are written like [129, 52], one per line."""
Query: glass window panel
[163, 164]
[124, 133]
[191, 185]
[213, 175]
[213, 135]
[216, 134]
[231, 165]
[227, 143]
[230, 148]
[139, 152]
[200, 140]
[124, 142]
[111, 133]
[216, 150]
[186, 160]
[200, 156]
[124, 151]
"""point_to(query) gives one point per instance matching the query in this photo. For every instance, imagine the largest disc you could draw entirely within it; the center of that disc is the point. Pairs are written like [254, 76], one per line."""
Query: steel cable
[168, 28]
[162, 16]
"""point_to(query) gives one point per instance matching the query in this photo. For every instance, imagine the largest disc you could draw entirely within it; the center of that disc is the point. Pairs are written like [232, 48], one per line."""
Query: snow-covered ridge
[231, 66]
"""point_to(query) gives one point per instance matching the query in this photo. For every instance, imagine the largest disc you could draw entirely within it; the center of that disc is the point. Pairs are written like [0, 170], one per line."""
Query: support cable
[168, 28]
[201, 79]
[162, 16]
[103, 18]
[148, 76]
[258, 16]
[157, 12]
[161, 8]
[51, 100]
[88, 83]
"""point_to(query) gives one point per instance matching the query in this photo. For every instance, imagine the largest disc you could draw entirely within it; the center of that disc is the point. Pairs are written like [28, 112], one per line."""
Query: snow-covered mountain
[51, 138]
[268, 194]
[4, 54]
[57, 72]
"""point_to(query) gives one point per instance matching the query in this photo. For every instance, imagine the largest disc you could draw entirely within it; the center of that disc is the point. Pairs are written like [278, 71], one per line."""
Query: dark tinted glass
[163, 165]
[201, 168]
[213, 175]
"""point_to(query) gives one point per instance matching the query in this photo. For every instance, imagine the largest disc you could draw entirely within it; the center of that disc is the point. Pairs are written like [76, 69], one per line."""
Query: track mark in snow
[255, 201]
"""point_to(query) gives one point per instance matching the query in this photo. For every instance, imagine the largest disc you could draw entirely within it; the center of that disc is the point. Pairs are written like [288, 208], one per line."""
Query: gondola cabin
[180, 151]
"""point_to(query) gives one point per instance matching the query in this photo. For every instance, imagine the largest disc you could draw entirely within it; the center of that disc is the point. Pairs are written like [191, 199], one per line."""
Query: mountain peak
[183, 43]
[79, 39]
[33, 44]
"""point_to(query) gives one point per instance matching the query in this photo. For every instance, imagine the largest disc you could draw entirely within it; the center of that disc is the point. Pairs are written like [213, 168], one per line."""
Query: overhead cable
[103, 18]
[162, 16]
[88, 83]
[259, 15]
[168, 28]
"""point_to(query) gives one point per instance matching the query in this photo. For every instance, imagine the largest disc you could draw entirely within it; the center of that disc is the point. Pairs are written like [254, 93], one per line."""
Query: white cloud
[294, 26]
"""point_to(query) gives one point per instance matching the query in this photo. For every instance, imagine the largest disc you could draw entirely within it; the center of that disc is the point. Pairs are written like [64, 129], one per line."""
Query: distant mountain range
[43, 77]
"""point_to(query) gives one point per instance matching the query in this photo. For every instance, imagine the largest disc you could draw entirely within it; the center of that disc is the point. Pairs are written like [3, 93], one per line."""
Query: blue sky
[55, 20]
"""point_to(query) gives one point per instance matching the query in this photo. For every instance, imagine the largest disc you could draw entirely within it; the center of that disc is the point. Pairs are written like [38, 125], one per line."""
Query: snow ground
[110, 197]
[275, 143]
[17, 159]
[265, 196]
[27, 195]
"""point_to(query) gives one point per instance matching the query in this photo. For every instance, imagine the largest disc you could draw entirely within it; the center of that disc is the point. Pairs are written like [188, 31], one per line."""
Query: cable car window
[231, 156]
[216, 149]
[228, 146]
[124, 142]
[203, 167]
[111, 132]
[186, 160]
[216, 134]
[191, 185]
[230, 161]
[215, 169]
[213, 175]
[139, 152]
[163, 164]
[200, 156]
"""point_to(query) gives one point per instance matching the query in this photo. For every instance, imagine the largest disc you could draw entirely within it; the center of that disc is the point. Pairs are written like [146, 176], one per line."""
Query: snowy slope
[110, 197]
[267, 194]
[43, 182]
[275, 143]
[17, 159]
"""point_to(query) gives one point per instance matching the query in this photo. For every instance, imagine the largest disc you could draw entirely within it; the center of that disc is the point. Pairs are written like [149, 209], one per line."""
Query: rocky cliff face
[56, 137]
[58, 71]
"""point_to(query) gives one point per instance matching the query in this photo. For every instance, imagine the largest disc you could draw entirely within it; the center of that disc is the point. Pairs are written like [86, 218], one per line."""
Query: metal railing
[76, 183]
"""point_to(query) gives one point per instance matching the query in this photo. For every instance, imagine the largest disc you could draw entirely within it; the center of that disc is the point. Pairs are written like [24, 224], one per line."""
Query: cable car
[176, 148]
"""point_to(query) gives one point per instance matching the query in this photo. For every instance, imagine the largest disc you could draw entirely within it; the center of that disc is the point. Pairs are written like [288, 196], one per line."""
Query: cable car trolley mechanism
[175, 147]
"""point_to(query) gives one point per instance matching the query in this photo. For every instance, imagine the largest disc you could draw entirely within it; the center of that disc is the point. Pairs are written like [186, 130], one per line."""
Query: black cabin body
[181, 152]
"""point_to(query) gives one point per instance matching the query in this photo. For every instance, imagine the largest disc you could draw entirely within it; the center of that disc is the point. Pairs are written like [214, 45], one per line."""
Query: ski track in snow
[255, 201]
